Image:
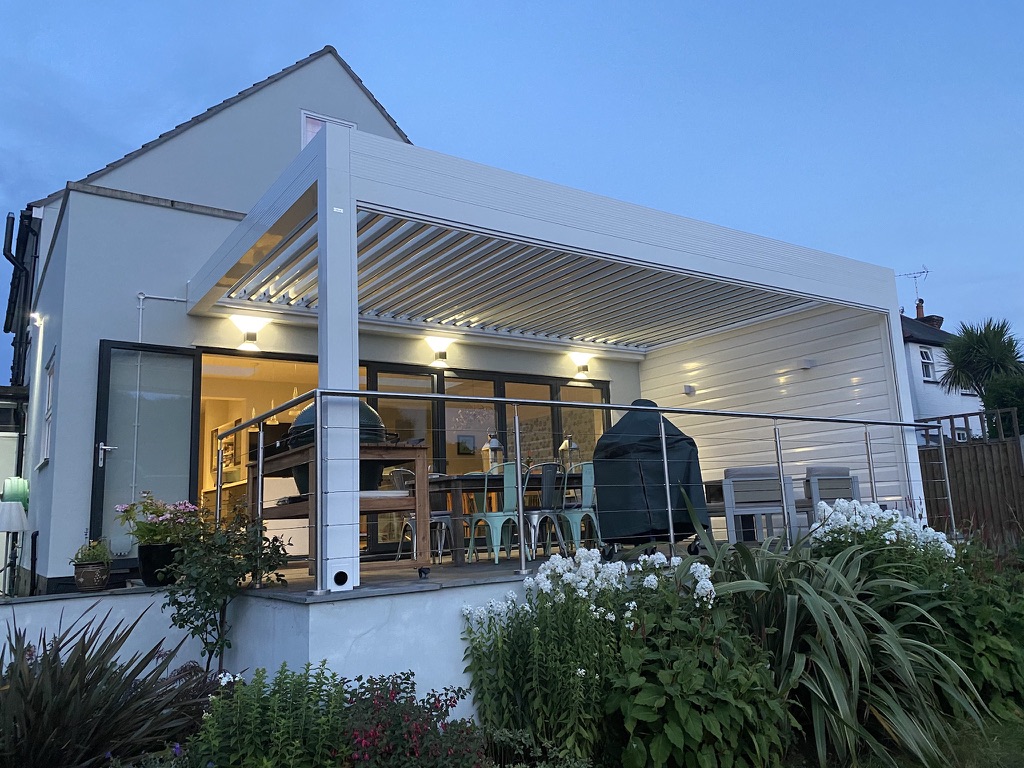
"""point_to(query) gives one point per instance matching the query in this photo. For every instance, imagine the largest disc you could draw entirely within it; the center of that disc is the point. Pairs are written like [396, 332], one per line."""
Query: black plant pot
[153, 560]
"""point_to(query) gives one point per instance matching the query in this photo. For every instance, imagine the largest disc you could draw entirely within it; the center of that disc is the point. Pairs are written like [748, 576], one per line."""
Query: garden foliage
[870, 636]
[70, 699]
[314, 719]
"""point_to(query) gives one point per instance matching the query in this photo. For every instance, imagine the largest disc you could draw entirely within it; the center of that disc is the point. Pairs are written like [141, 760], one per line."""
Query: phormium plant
[72, 699]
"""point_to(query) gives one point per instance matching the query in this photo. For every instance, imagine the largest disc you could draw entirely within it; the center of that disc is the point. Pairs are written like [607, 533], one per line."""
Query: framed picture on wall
[231, 450]
[465, 445]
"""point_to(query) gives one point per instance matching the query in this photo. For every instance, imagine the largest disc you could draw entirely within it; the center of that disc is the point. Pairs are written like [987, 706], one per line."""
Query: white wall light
[250, 326]
[37, 319]
[582, 360]
[439, 344]
[689, 390]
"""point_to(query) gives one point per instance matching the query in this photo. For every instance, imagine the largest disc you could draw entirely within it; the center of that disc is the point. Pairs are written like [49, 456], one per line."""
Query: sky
[887, 132]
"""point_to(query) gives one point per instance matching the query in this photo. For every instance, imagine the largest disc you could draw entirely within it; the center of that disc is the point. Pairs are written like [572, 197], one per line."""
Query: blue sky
[891, 133]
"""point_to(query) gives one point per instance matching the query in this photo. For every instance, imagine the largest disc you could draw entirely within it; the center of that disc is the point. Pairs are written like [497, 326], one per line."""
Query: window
[312, 123]
[927, 364]
[310, 127]
[44, 449]
[960, 435]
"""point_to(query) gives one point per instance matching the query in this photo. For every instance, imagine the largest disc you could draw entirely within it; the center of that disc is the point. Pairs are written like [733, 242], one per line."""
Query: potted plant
[159, 528]
[92, 566]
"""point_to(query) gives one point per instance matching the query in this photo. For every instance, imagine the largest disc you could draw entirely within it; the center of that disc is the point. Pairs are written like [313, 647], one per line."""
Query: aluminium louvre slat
[381, 230]
[608, 271]
[393, 238]
[620, 303]
[498, 278]
[401, 241]
[524, 279]
[615, 326]
[444, 273]
[408, 269]
[302, 272]
[558, 294]
[409, 300]
[269, 280]
[465, 277]
[299, 234]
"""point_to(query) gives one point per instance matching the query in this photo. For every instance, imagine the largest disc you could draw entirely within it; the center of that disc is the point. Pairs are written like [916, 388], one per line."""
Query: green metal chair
[501, 480]
[579, 506]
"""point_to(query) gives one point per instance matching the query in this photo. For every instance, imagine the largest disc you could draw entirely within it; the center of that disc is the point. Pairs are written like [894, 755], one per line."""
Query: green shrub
[314, 718]
[295, 720]
[979, 608]
[392, 729]
[543, 666]
[695, 689]
[70, 700]
[845, 650]
[621, 665]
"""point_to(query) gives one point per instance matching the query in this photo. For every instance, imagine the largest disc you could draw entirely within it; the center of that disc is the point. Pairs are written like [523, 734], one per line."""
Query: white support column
[338, 368]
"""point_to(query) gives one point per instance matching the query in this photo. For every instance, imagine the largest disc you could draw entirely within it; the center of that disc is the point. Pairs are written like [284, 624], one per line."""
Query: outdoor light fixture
[37, 319]
[689, 390]
[493, 452]
[439, 345]
[582, 360]
[569, 452]
[249, 325]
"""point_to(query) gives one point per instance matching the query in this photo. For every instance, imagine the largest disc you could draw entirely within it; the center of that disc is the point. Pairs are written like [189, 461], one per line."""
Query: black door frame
[107, 347]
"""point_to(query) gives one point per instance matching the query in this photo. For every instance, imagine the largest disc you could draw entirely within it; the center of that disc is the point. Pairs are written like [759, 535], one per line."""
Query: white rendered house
[924, 340]
[300, 203]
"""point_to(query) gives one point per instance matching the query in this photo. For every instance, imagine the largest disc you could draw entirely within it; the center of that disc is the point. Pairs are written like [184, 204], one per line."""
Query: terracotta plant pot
[91, 577]
[153, 559]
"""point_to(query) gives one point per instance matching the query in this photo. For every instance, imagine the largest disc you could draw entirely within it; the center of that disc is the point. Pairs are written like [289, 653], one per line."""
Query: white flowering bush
[646, 642]
[851, 522]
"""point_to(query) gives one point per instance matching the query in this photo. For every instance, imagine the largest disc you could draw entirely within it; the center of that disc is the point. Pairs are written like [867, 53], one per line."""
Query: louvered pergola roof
[426, 276]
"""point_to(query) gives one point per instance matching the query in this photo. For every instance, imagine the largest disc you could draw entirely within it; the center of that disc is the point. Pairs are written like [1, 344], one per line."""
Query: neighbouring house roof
[917, 332]
[325, 51]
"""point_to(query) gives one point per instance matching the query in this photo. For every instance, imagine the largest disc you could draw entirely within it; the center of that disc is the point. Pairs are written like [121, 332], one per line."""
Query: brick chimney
[935, 321]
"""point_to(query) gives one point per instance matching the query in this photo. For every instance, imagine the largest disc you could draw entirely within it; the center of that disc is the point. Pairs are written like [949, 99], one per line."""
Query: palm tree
[979, 352]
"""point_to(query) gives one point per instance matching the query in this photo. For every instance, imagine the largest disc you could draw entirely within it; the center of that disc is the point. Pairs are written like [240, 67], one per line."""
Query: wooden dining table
[458, 487]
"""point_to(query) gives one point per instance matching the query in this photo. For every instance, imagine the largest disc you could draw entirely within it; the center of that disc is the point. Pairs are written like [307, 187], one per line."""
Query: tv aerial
[923, 274]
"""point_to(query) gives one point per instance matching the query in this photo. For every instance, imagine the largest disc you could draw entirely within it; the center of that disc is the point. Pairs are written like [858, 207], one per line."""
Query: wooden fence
[986, 479]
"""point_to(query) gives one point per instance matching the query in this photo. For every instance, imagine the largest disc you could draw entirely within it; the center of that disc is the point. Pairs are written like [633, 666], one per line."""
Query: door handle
[101, 453]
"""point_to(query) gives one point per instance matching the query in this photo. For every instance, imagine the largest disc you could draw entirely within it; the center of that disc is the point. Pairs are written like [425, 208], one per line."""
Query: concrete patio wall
[50, 613]
[364, 632]
[371, 631]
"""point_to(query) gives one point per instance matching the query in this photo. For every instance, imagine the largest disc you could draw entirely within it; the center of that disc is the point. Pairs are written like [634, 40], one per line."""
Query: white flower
[700, 571]
[651, 581]
[581, 672]
[704, 593]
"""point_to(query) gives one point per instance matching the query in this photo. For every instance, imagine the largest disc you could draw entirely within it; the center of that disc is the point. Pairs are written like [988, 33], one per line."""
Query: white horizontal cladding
[445, 189]
[833, 362]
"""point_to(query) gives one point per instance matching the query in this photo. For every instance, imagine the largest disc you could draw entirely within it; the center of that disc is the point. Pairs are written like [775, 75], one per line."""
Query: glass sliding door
[467, 425]
[410, 420]
[536, 423]
[584, 424]
[145, 433]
